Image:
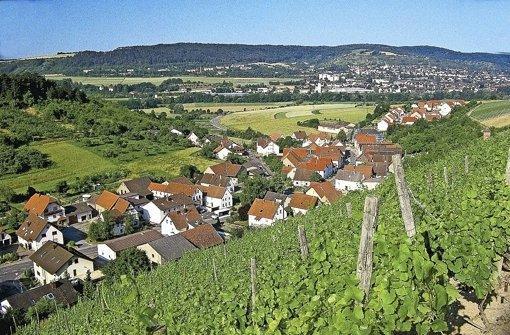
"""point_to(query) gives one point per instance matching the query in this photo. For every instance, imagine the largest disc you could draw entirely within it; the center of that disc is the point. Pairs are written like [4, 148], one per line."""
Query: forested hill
[214, 54]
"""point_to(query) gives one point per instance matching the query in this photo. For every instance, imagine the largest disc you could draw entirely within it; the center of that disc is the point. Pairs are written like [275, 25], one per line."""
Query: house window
[54, 233]
[74, 273]
[76, 261]
[43, 235]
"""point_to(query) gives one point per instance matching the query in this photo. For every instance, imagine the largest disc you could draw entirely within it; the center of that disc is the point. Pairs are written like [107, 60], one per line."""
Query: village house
[61, 291]
[167, 249]
[217, 200]
[35, 231]
[179, 221]
[217, 180]
[346, 181]
[194, 139]
[226, 147]
[156, 210]
[138, 186]
[79, 212]
[265, 213]
[226, 169]
[323, 166]
[299, 135]
[301, 177]
[278, 198]
[324, 191]
[203, 236]
[372, 183]
[361, 139]
[294, 156]
[301, 203]
[266, 147]
[110, 249]
[53, 262]
[46, 207]
[334, 127]
[5, 238]
[365, 170]
[110, 205]
[320, 139]
[177, 186]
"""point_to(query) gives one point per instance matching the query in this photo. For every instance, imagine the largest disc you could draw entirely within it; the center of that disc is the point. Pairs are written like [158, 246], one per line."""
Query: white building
[46, 207]
[53, 261]
[110, 249]
[35, 231]
[217, 200]
[346, 181]
[179, 221]
[194, 139]
[266, 147]
[5, 238]
[265, 213]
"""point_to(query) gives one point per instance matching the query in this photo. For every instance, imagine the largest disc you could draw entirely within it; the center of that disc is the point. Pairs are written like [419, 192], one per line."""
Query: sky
[43, 27]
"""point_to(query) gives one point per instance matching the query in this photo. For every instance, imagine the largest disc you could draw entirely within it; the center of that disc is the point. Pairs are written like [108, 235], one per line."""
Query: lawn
[235, 107]
[71, 161]
[158, 80]
[493, 113]
[284, 120]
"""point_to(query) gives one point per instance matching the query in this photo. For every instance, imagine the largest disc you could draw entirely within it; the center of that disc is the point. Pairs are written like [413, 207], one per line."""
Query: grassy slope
[71, 161]
[158, 80]
[285, 119]
[293, 297]
[493, 113]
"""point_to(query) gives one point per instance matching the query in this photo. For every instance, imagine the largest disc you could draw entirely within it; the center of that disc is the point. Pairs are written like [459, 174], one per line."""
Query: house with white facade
[46, 207]
[226, 169]
[217, 180]
[156, 210]
[166, 249]
[53, 262]
[321, 165]
[179, 221]
[35, 231]
[5, 238]
[112, 248]
[265, 213]
[177, 186]
[217, 200]
[266, 147]
[117, 209]
[346, 181]
[194, 139]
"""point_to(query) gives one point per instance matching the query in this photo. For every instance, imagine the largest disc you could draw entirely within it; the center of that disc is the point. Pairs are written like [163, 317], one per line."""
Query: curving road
[216, 123]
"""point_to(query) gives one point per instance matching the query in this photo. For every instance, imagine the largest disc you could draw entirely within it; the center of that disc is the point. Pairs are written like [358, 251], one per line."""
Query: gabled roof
[172, 247]
[38, 203]
[214, 179]
[349, 176]
[277, 197]
[302, 201]
[303, 174]
[275, 136]
[112, 202]
[32, 227]
[181, 188]
[53, 256]
[326, 190]
[173, 202]
[212, 191]
[62, 291]
[203, 236]
[299, 135]
[266, 209]
[227, 169]
[362, 138]
[183, 219]
[366, 170]
[138, 185]
[133, 240]
[181, 180]
[316, 164]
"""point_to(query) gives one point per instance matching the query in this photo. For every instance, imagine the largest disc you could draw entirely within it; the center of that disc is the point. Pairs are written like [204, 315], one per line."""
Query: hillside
[462, 228]
[162, 55]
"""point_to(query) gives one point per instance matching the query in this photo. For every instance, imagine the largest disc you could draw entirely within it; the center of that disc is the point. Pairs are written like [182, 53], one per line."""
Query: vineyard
[461, 209]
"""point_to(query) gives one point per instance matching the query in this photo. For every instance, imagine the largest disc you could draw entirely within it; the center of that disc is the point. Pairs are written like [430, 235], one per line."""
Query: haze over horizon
[33, 28]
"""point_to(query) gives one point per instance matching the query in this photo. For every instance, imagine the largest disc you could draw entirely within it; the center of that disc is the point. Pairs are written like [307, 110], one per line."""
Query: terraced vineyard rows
[462, 228]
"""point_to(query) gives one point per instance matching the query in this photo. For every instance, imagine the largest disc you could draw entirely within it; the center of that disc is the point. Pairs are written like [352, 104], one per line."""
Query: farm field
[284, 120]
[493, 113]
[71, 161]
[235, 107]
[158, 80]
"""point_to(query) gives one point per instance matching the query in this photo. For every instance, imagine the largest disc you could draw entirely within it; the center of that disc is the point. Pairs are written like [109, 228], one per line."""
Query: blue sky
[39, 27]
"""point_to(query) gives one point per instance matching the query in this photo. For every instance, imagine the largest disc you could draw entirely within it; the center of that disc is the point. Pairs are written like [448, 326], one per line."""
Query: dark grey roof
[139, 185]
[174, 202]
[133, 240]
[273, 196]
[172, 247]
[62, 291]
[53, 256]
[78, 208]
[10, 287]
[349, 176]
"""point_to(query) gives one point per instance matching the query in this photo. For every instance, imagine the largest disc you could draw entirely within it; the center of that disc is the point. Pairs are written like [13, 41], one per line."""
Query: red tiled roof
[326, 190]
[361, 138]
[263, 209]
[302, 201]
[38, 203]
[227, 169]
[203, 236]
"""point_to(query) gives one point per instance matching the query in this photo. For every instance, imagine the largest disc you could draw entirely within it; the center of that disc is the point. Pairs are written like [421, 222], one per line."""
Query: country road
[216, 123]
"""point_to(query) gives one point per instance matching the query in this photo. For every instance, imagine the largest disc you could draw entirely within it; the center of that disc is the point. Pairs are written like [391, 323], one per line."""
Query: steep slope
[462, 228]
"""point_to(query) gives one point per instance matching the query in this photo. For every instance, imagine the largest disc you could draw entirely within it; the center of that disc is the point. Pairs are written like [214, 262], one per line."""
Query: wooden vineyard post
[403, 196]
[445, 176]
[303, 243]
[348, 208]
[366, 245]
[430, 181]
[224, 251]
[508, 169]
[214, 270]
[466, 164]
[253, 276]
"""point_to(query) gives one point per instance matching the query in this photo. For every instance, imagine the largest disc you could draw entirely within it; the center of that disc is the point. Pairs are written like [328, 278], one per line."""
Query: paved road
[14, 270]
[215, 122]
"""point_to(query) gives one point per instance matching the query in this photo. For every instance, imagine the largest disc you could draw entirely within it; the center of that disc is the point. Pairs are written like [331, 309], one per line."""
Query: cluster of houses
[428, 110]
